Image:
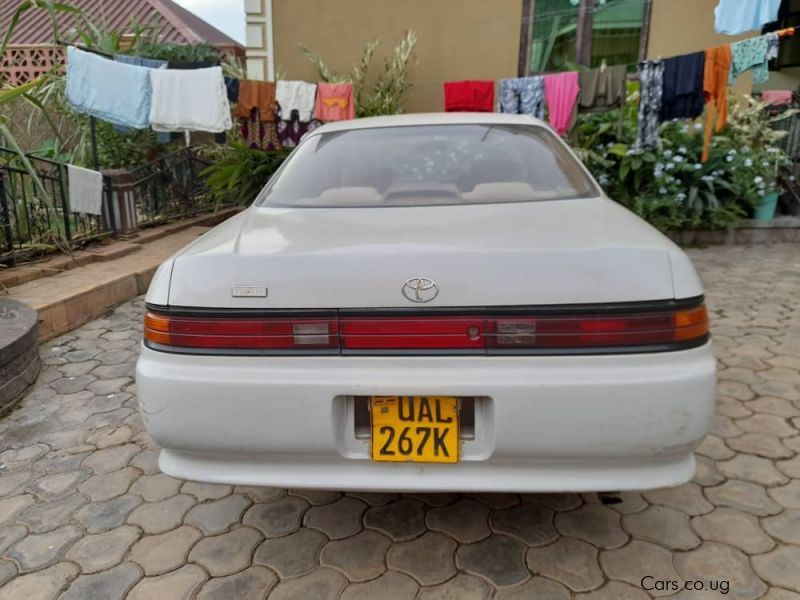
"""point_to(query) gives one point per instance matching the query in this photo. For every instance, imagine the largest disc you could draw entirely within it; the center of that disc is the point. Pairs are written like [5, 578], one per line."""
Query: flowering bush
[670, 186]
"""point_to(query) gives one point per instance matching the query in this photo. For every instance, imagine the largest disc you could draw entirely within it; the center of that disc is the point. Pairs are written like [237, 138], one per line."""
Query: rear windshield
[428, 165]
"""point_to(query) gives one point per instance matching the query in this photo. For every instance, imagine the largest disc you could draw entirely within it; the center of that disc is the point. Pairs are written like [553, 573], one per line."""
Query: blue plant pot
[766, 211]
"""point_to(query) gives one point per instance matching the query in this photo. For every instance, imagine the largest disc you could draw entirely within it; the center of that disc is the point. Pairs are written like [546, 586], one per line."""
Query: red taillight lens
[241, 333]
[407, 333]
[410, 333]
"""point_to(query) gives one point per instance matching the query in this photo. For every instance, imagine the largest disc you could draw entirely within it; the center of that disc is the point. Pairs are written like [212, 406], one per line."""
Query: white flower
[758, 179]
[662, 191]
[745, 149]
[667, 153]
[761, 192]
[698, 126]
[678, 159]
[772, 150]
[732, 151]
[697, 166]
[729, 158]
[765, 163]
[659, 167]
[682, 150]
[791, 177]
[671, 179]
[669, 166]
[748, 162]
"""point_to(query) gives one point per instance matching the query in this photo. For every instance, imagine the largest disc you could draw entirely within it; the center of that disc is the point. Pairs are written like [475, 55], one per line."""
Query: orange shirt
[715, 90]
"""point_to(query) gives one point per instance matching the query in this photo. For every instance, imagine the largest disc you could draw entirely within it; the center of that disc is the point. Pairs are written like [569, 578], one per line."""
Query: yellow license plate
[414, 428]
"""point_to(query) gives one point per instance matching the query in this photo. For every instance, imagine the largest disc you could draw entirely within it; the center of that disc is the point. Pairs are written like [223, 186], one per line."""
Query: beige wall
[458, 39]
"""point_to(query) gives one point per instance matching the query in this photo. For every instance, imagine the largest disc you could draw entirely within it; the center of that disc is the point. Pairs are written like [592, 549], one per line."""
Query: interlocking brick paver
[80, 489]
[111, 459]
[428, 559]
[322, 584]
[719, 561]
[45, 584]
[10, 536]
[205, 491]
[112, 584]
[177, 585]
[663, 525]
[498, 558]
[158, 517]
[216, 516]
[277, 518]
[254, 582]
[103, 550]
[465, 521]
[360, 557]
[594, 523]
[784, 527]
[11, 507]
[392, 585]
[637, 560]
[540, 588]
[787, 495]
[743, 495]
[735, 528]
[7, 571]
[97, 517]
[569, 561]
[109, 485]
[401, 520]
[227, 553]
[530, 522]
[157, 554]
[292, 555]
[153, 488]
[40, 550]
[338, 520]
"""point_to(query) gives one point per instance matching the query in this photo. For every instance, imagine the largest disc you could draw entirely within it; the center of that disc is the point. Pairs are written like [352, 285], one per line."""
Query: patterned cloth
[291, 131]
[651, 82]
[523, 96]
[258, 134]
[751, 54]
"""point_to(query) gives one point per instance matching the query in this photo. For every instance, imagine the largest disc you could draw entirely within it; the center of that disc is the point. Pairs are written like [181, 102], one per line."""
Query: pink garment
[334, 102]
[779, 97]
[561, 93]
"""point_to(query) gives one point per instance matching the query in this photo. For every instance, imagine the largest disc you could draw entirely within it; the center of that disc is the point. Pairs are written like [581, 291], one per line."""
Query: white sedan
[429, 302]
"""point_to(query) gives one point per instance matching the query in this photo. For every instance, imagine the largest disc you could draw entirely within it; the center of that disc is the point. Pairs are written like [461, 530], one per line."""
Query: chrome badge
[420, 289]
[249, 291]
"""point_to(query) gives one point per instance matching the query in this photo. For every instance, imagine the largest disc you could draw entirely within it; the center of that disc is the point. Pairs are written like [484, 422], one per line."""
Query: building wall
[683, 26]
[258, 34]
[458, 39]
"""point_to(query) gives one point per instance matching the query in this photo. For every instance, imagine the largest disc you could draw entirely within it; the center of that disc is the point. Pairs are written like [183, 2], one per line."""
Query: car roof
[451, 118]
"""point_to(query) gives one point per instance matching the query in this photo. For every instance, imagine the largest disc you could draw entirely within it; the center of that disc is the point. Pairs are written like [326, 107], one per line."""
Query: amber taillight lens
[659, 330]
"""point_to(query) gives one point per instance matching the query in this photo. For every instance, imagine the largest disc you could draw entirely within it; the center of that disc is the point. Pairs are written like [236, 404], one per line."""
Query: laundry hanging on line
[469, 95]
[733, 17]
[189, 100]
[296, 96]
[112, 91]
[85, 190]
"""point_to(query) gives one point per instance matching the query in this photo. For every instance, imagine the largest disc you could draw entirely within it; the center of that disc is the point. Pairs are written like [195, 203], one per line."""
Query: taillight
[227, 333]
[658, 330]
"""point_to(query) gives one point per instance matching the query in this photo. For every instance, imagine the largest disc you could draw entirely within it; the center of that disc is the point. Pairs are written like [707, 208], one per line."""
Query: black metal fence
[35, 216]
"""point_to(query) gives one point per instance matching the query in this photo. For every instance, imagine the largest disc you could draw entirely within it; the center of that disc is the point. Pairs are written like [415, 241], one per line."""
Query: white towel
[85, 190]
[189, 100]
[296, 95]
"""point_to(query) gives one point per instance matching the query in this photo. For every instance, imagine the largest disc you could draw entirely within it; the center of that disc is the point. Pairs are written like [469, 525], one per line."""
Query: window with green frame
[615, 25]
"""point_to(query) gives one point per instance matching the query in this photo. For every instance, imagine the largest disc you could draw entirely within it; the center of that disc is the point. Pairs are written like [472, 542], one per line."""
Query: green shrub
[670, 186]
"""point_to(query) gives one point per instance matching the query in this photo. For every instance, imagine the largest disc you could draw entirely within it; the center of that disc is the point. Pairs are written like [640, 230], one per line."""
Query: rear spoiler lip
[604, 308]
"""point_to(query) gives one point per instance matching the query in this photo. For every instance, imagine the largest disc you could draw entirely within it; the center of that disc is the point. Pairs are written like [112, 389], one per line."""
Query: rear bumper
[546, 423]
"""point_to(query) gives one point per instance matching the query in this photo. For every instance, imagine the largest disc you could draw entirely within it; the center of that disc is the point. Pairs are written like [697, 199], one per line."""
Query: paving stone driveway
[85, 513]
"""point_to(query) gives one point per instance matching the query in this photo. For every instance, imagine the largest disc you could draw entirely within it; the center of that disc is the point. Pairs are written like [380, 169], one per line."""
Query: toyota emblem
[420, 289]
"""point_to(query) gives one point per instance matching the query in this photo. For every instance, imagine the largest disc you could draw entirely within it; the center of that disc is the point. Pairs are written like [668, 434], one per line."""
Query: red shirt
[473, 95]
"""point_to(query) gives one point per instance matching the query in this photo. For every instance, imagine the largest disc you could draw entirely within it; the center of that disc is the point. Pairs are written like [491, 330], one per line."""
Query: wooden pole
[583, 45]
